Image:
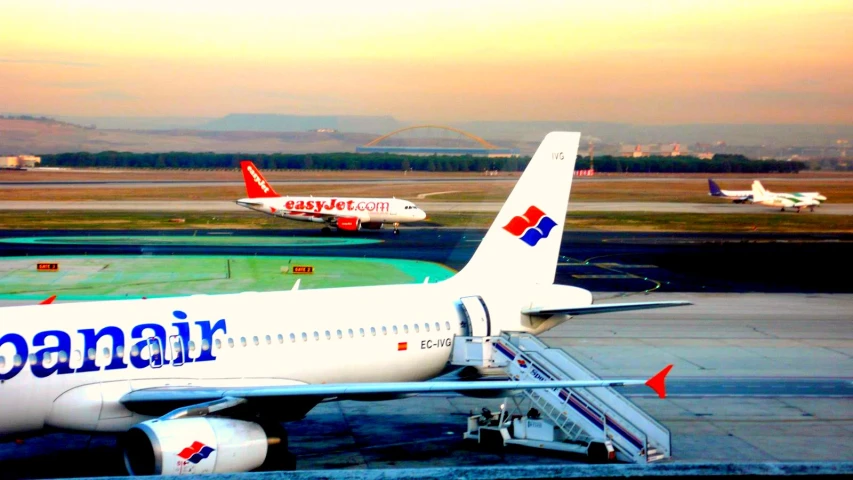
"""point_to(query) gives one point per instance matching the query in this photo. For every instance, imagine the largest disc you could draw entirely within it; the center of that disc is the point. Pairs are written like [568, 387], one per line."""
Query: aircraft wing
[156, 398]
[600, 308]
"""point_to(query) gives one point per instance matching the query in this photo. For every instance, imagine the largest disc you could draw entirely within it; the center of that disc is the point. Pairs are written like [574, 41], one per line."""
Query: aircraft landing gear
[396, 228]
[783, 209]
[811, 209]
[326, 230]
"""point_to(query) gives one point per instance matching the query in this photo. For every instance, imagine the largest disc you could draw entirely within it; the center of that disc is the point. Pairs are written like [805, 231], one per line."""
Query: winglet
[48, 300]
[657, 383]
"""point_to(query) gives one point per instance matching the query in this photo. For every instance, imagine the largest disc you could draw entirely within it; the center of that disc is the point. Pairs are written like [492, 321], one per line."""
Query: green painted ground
[226, 240]
[115, 277]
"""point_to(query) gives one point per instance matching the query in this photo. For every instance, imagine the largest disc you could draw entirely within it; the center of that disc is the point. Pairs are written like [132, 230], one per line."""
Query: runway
[484, 207]
[762, 374]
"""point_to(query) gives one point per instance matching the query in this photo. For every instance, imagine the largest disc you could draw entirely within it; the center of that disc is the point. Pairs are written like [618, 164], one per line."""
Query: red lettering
[349, 204]
[289, 205]
[340, 205]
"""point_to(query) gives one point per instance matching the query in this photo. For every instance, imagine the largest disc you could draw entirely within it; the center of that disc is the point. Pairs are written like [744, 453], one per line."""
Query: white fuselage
[68, 365]
[322, 209]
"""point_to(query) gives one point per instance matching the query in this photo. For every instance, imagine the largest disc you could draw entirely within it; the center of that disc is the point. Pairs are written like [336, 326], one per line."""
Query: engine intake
[195, 445]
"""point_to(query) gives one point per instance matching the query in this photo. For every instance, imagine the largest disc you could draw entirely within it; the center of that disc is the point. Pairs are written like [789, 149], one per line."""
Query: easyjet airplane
[202, 383]
[345, 213]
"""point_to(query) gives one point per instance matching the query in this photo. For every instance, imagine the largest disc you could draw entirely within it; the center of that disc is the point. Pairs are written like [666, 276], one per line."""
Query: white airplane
[345, 213]
[796, 200]
[202, 383]
[737, 196]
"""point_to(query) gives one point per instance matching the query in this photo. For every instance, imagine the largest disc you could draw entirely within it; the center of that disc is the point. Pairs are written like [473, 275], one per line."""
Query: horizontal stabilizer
[601, 308]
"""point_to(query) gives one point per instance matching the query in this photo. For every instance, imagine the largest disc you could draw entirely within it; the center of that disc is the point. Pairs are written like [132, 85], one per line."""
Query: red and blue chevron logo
[531, 227]
[196, 452]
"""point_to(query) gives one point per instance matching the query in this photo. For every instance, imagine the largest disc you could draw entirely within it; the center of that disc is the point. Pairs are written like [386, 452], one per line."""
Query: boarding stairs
[581, 417]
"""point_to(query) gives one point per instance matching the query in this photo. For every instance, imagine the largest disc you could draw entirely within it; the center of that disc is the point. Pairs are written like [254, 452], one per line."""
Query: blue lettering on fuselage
[56, 344]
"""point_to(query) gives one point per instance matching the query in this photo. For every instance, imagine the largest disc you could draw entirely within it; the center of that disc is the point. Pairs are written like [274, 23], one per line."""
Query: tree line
[721, 163]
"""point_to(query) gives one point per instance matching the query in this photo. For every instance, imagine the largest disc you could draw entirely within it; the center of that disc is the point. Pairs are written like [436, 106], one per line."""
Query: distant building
[19, 161]
[653, 150]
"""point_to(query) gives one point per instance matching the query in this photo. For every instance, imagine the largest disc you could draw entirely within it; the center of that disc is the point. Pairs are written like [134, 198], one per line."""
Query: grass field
[611, 221]
[116, 277]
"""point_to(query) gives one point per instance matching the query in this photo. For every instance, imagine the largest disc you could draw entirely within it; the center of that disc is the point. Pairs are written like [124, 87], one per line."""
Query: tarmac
[486, 207]
[761, 384]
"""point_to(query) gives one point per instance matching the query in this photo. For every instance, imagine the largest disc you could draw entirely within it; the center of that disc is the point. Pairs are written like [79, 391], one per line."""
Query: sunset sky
[720, 61]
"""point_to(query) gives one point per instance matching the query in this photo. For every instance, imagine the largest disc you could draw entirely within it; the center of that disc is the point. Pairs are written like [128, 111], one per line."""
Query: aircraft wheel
[326, 230]
[396, 232]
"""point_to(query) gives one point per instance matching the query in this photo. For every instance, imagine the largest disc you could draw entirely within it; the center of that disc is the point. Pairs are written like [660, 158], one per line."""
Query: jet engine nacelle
[194, 445]
[349, 224]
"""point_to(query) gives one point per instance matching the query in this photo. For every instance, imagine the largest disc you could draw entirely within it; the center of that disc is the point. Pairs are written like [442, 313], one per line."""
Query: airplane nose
[420, 215]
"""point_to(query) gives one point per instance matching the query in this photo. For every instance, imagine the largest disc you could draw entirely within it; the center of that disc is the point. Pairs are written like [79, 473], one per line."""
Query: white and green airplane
[797, 200]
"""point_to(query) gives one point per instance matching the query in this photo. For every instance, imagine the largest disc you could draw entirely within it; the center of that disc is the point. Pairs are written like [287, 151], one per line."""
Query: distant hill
[256, 122]
[42, 137]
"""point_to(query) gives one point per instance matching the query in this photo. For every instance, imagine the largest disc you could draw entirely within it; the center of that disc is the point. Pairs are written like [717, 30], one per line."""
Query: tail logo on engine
[531, 227]
[196, 452]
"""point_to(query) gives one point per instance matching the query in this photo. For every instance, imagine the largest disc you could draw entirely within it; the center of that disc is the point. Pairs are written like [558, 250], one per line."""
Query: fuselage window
[304, 337]
[268, 339]
[416, 327]
[107, 353]
[405, 329]
[280, 338]
[17, 360]
[447, 325]
[231, 342]
[316, 335]
[328, 335]
[373, 331]
[63, 357]
[437, 326]
[78, 356]
[134, 351]
[361, 331]
[255, 339]
[90, 354]
[292, 337]
[32, 359]
[243, 341]
[120, 351]
[384, 330]
[2, 361]
[426, 327]
[394, 329]
[218, 343]
[340, 334]
[205, 345]
[349, 331]
[192, 346]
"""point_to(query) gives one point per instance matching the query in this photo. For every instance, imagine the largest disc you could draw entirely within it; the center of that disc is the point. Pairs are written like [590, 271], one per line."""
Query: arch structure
[485, 148]
[477, 139]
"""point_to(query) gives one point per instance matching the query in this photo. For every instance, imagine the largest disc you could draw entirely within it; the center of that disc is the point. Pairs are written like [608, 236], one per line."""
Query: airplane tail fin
[714, 189]
[256, 185]
[758, 191]
[523, 242]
